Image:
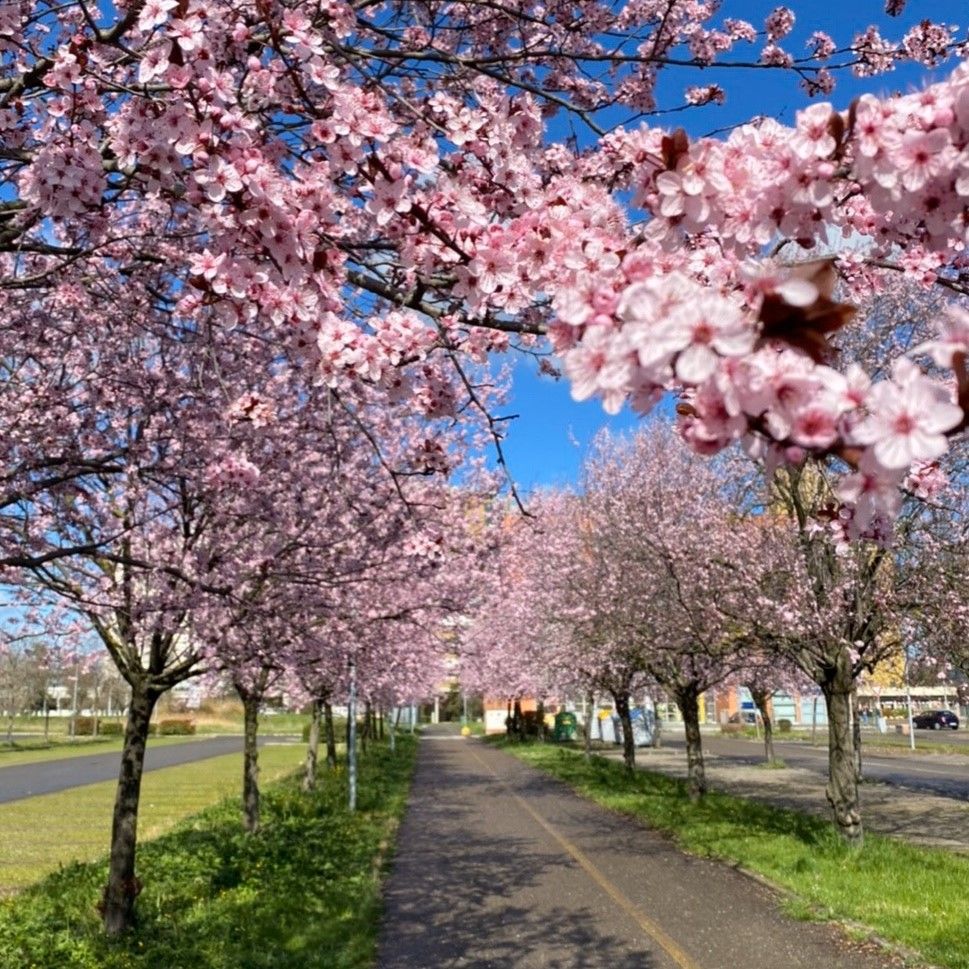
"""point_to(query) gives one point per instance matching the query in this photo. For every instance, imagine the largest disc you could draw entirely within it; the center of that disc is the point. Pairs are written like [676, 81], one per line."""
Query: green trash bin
[566, 727]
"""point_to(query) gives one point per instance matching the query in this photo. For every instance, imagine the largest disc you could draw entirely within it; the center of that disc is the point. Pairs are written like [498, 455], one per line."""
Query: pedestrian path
[499, 865]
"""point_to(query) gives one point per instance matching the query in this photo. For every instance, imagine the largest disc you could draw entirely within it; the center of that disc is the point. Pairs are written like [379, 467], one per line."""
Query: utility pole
[352, 737]
[77, 676]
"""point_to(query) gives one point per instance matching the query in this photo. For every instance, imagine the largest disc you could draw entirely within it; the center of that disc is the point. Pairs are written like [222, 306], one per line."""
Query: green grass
[224, 721]
[912, 896]
[899, 744]
[302, 893]
[38, 834]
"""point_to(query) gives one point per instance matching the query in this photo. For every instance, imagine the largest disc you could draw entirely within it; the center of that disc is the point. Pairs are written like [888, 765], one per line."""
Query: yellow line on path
[614, 892]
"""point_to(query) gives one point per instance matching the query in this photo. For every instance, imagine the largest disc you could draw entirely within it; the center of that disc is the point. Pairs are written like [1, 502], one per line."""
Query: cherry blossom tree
[375, 187]
[680, 568]
[365, 202]
[837, 609]
[763, 675]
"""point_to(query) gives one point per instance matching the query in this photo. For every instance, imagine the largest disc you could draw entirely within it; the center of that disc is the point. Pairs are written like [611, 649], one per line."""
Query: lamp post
[908, 700]
[77, 676]
[352, 737]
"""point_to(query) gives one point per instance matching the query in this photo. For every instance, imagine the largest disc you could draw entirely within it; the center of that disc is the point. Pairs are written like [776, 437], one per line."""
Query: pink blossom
[872, 492]
[953, 338]
[908, 417]
[154, 13]
[779, 23]
[922, 156]
[926, 480]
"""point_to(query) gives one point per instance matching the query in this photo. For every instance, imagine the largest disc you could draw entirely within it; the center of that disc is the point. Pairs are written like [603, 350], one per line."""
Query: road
[46, 777]
[498, 865]
[947, 775]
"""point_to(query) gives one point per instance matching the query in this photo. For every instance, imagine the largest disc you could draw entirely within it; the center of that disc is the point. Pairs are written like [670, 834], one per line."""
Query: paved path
[46, 777]
[499, 865]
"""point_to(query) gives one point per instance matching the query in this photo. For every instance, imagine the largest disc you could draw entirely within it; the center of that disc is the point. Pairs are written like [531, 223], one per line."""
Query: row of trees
[253, 256]
[36, 679]
[200, 503]
[665, 573]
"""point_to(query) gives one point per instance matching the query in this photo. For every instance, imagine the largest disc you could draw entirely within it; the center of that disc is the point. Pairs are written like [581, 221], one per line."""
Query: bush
[784, 725]
[84, 727]
[176, 727]
[111, 728]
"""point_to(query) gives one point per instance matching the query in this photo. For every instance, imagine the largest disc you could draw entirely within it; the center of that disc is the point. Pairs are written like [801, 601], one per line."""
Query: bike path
[47, 777]
[498, 865]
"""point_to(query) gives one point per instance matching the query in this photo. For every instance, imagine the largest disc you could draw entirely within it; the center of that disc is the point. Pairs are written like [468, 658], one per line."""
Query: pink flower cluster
[232, 471]
[66, 180]
[347, 353]
[684, 309]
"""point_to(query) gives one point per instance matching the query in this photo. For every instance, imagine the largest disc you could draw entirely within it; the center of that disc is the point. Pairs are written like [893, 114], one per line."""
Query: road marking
[651, 928]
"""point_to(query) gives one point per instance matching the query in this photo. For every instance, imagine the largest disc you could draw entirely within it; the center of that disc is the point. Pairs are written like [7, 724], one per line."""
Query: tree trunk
[842, 789]
[518, 721]
[628, 745]
[250, 764]
[761, 699]
[380, 724]
[688, 700]
[587, 726]
[118, 903]
[330, 735]
[540, 718]
[352, 739]
[312, 748]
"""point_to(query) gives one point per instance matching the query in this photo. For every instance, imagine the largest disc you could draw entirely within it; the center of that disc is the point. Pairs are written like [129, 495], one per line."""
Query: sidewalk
[928, 819]
[499, 865]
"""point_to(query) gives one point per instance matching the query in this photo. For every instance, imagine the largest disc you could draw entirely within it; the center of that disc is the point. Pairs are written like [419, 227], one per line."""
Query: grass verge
[304, 892]
[39, 834]
[911, 896]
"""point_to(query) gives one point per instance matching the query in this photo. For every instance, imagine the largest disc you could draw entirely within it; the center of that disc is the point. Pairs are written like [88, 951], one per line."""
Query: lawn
[304, 892]
[38, 834]
[215, 718]
[912, 896]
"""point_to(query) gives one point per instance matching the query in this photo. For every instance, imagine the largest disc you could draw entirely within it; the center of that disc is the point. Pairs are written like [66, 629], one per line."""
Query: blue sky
[546, 443]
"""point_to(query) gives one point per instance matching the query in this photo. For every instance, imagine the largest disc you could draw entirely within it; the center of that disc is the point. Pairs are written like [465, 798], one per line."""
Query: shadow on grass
[663, 803]
[303, 892]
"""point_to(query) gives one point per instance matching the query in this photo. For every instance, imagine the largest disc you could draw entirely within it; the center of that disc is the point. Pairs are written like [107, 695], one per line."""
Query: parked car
[936, 720]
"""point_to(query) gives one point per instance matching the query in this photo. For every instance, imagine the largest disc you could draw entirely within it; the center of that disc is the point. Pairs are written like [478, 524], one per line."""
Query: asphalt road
[498, 865]
[947, 775]
[46, 777]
